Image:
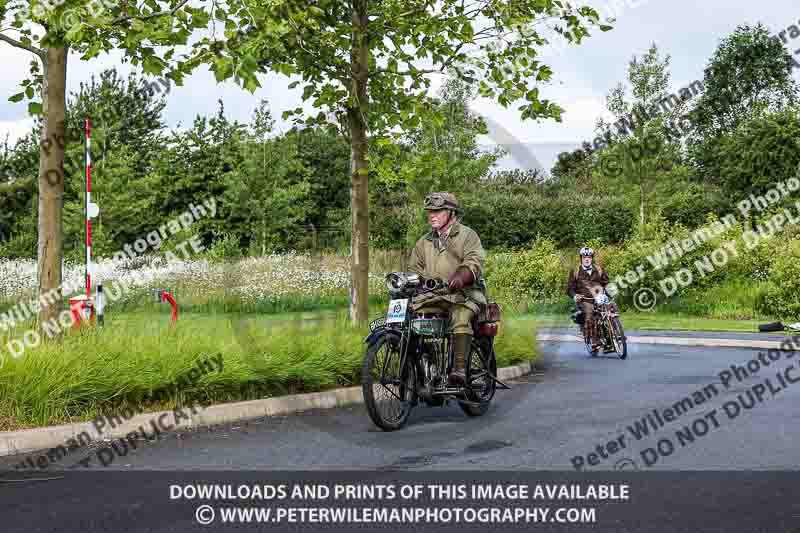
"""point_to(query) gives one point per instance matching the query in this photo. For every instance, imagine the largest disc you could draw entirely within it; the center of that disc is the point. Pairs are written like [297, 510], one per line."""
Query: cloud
[15, 129]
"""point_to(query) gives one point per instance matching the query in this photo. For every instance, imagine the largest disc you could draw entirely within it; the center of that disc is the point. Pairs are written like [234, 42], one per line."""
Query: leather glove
[576, 298]
[460, 279]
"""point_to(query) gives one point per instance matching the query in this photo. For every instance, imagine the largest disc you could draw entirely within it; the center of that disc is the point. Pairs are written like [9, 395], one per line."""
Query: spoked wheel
[388, 390]
[481, 366]
[618, 338]
[587, 340]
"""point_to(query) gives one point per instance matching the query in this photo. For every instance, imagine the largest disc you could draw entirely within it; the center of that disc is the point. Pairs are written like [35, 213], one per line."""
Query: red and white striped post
[92, 210]
[88, 156]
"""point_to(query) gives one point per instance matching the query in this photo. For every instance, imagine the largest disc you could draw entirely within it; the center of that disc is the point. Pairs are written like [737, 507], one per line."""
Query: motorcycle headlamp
[397, 281]
[601, 299]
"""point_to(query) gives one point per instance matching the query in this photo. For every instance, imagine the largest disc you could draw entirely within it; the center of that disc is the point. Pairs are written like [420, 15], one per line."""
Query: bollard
[100, 304]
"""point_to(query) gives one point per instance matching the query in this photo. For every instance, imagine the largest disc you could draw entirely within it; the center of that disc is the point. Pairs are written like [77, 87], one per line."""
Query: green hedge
[782, 296]
[508, 221]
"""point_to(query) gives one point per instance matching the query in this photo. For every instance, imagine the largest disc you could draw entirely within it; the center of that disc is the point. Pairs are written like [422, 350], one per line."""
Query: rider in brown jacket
[584, 283]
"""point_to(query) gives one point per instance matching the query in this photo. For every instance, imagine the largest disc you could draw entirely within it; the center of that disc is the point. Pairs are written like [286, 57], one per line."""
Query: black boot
[461, 347]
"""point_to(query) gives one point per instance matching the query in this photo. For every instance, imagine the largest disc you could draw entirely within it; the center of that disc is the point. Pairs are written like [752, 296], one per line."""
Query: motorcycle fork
[405, 342]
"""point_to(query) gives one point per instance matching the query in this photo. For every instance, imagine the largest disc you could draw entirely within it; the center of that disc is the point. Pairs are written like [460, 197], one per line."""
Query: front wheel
[587, 339]
[618, 338]
[388, 390]
[482, 365]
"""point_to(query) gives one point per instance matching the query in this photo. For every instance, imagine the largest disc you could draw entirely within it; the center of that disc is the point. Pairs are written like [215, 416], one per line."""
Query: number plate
[397, 311]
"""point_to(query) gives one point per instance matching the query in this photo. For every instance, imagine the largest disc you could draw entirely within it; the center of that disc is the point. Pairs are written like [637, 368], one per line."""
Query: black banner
[641, 502]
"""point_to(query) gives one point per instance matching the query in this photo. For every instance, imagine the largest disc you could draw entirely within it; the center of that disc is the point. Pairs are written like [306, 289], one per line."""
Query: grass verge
[118, 368]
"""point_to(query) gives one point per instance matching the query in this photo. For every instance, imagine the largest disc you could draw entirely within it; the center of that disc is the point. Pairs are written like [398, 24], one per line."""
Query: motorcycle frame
[405, 332]
[602, 315]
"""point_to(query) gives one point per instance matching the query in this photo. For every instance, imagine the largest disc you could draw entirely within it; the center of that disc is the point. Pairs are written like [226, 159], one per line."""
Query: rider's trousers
[460, 315]
[589, 322]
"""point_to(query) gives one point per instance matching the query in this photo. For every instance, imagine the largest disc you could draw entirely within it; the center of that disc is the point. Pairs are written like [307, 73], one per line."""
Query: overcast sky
[687, 30]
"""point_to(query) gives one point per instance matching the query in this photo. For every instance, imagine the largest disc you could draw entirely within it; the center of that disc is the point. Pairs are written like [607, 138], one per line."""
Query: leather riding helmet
[441, 200]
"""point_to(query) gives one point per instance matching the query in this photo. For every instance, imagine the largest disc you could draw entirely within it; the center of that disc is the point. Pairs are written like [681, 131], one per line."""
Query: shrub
[531, 274]
[225, 246]
[19, 246]
[781, 298]
[645, 252]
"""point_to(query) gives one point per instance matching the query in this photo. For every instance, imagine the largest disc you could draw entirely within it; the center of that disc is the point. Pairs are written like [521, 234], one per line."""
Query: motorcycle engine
[431, 371]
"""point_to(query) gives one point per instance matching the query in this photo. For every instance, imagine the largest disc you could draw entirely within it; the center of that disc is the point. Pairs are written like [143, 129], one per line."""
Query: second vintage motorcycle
[606, 318]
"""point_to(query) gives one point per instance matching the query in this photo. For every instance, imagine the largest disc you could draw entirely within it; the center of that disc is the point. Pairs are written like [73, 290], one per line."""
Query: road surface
[553, 419]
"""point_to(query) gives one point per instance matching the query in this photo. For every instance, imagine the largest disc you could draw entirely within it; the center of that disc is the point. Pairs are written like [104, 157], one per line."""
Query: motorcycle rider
[583, 284]
[453, 252]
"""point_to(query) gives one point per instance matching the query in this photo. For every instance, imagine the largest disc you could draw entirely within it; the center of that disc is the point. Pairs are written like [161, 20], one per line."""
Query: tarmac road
[547, 421]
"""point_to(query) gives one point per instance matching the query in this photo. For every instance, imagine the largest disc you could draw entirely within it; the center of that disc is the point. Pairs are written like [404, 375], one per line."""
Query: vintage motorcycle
[409, 356]
[606, 316]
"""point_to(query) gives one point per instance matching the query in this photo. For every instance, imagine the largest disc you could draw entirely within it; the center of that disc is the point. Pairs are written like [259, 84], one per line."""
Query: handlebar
[431, 285]
[592, 298]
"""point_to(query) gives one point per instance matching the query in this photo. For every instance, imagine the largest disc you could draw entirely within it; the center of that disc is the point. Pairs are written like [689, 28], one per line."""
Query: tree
[270, 188]
[761, 152]
[442, 154]
[360, 60]
[50, 31]
[573, 164]
[642, 157]
[515, 177]
[750, 73]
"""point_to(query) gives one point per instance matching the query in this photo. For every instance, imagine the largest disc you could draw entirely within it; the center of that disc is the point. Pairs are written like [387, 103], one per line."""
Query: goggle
[435, 200]
[587, 253]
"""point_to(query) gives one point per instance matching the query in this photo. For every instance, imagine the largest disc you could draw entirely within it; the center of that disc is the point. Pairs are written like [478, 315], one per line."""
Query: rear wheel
[618, 338]
[389, 391]
[482, 365]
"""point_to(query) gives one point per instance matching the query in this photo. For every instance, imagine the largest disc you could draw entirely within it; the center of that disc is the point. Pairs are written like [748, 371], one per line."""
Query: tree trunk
[51, 183]
[641, 204]
[641, 194]
[359, 199]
